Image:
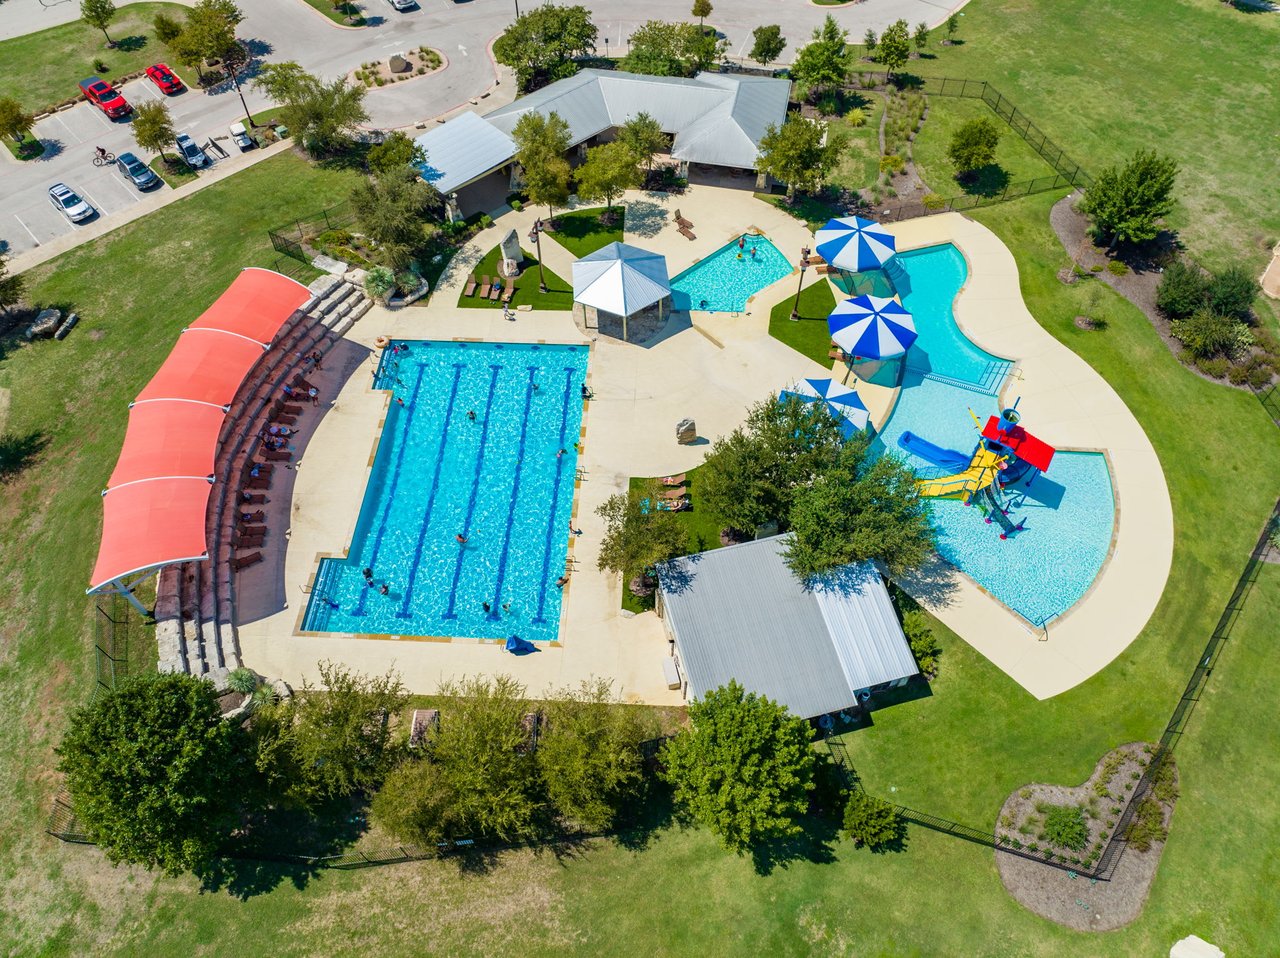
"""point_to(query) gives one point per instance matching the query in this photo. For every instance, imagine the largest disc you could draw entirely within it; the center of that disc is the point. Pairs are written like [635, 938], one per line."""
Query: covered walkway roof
[155, 502]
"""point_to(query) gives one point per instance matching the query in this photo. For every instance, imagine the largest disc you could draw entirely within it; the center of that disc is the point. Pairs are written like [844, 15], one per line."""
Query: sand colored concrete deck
[711, 367]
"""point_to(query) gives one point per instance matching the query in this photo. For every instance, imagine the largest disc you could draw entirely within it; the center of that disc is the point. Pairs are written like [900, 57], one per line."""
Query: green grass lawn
[809, 334]
[811, 209]
[1015, 161]
[581, 232]
[347, 14]
[28, 149]
[44, 68]
[172, 170]
[860, 162]
[702, 528]
[1106, 81]
[559, 294]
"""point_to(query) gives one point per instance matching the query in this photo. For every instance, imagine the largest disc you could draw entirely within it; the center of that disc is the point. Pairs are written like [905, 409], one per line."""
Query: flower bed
[413, 63]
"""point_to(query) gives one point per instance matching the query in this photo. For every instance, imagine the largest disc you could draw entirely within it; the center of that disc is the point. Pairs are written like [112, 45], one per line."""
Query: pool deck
[710, 367]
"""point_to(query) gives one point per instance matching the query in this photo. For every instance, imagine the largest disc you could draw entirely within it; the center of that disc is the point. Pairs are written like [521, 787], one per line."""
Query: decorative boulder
[46, 324]
[686, 432]
[511, 255]
[399, 64]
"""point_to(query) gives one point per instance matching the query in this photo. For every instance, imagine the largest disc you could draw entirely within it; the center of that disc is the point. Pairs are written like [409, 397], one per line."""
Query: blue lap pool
[1066, 514]
[484, 447]
[725, 280]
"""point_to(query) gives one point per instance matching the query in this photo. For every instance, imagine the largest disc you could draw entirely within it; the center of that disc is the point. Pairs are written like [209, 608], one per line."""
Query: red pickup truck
[105, 97]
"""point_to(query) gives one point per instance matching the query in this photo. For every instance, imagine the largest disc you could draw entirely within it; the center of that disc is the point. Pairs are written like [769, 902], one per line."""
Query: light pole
[535, 234]
[517, 9]
[804, 264]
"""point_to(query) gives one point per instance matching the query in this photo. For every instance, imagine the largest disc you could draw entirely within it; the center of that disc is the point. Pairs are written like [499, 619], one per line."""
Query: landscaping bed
[559, 294]
[422, 61]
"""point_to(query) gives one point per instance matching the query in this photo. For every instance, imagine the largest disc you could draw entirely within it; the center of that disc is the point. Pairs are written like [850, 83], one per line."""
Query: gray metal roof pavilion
[740, 613]
[462, 150]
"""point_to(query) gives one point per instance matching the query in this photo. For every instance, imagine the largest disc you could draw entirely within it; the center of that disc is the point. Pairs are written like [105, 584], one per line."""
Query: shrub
[1206, 333]
[1147, 826]
[1096, 268]
[1214, 367]
[1064, 825]
[856, 117]
[871, 821]
[1117, 268]
[923, 645]
[485, 221]
[1232, 292]
[934, 202]
[242, 680]
[892, 163]
[379, 282]
[1182, 290]
[1166, 785]
[100, 66]
[517, 206]
[1024, 793]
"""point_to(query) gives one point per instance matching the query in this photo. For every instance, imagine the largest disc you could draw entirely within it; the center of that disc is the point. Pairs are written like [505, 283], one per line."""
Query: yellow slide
[980, 474]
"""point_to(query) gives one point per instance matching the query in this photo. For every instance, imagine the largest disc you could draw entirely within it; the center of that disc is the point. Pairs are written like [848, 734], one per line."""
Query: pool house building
[816, 647]
[716, 122]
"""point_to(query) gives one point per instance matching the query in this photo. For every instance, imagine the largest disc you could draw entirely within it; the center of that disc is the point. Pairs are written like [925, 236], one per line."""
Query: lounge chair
[277, 455]
[681, 221]
[675, 505]
[471, 286]
[257, 516]
[259, 482]
[284, 420]
[247, 542]
[485, 287]
[508, 293]
[686, 232]
[264, 468]
[299, 381]
[257, 500]
[290, 410]
[243, 562]
[674, 493]
[674, 480]
[253, 531]
[495, 292]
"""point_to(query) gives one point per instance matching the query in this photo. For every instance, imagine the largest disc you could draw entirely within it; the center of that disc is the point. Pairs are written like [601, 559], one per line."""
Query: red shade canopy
[1025, 446]
[155, 504]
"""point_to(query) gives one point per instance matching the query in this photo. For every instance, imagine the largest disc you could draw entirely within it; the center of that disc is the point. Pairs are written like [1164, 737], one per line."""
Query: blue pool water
[499, 480]
[1067, 513]
[722, 283]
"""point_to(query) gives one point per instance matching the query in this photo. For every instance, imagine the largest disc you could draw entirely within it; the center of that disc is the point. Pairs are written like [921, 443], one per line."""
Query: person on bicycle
[102, 153]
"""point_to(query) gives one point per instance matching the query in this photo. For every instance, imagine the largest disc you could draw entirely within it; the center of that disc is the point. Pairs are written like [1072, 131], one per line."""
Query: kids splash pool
[1040, 544]
[725, 280]
[484, 448]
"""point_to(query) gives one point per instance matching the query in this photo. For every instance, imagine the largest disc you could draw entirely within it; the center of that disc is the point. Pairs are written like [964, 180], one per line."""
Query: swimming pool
[725, 280]
[1067, 514]
[503, 480]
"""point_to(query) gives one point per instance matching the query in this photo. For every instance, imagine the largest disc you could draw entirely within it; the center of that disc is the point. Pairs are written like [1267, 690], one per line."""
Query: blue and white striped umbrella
[872, 327]
[841, 401]
[854, 244]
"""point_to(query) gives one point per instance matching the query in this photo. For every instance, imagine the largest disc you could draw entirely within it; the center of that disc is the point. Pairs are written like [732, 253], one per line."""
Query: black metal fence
[890, 210]
[113, 627]
[288, 238]
[1270, 401]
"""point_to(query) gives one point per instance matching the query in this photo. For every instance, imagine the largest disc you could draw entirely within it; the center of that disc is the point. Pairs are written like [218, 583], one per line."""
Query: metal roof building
[740, 613]
[717, 119]
[463, 150]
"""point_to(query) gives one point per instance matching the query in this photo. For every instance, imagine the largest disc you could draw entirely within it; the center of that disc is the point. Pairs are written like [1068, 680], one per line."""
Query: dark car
[105, 97]
[165, 79]
[136, 172]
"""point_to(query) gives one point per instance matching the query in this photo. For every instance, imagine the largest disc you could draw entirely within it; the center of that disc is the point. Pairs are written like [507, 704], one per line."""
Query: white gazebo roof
[620, 279]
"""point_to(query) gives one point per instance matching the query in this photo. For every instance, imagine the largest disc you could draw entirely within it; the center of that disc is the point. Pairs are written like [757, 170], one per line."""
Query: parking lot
[28, 218]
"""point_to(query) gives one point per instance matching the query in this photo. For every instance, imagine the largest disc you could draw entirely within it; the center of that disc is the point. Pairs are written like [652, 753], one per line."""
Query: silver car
[68, 202]
[192, 154]
[403, 4]
[136, 172]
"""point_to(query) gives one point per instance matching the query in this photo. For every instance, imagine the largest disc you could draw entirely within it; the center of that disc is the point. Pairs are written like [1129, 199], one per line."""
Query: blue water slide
[945, 458]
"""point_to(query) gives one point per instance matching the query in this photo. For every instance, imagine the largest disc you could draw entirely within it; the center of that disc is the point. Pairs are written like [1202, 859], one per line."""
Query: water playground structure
[1005, 456]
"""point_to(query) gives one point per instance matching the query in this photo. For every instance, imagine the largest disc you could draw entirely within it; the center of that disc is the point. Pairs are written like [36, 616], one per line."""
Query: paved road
[291, 30]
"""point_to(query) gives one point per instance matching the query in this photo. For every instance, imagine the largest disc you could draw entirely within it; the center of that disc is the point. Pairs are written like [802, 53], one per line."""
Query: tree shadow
[814, 843]
[246, 878]
[989, 180]
[18, 451]
[131, 44]
[52, 147]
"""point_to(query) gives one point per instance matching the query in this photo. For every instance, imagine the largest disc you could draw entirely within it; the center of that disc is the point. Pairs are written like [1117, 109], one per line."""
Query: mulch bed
[1064, 897]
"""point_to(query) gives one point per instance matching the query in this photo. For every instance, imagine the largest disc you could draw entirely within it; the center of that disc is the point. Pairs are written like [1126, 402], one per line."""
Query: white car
[240, 136]
[403, 4]
[192, 154]
[68, 202]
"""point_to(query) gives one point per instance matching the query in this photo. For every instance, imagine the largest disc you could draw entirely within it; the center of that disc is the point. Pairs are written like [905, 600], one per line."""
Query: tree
[166, 27]
[154, 772]
[671, 49]
[1232, 292]
[637, 534]
[863, 507]
[921, 36]
[953, 25]
[99, 13]
[1183, 289]
[545, 42]
[869, 41]
[323, 116]
[925, 648]
[15, 122]
[767, 44]
[752, 476]
[153, 127]
[609, 170]
[1126, 201]
[12, 287]
[743, 769]
[702, 48]
[338, 736]
[541, 142]
[895, 47]
[395, 152]
[800, 153]
[871, 821]
[643, 137]
[973, 145]
[209, 34]
[417, 804]
[589, 755]
[824, 61]
[701, 10]
[390, 210]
